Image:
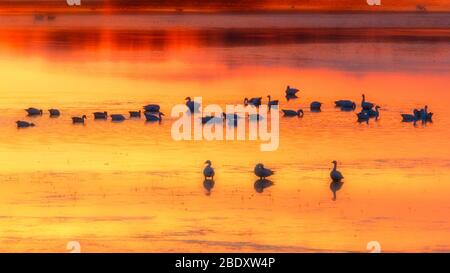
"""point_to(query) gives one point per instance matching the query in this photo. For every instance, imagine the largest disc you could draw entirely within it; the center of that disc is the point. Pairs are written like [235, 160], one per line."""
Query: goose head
[160, 114]
[208, 162]
[84, 117]
[188, 98]
[246, 101]
[300, 113]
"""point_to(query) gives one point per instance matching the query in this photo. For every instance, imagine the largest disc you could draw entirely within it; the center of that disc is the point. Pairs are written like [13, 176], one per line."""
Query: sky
[225, 5]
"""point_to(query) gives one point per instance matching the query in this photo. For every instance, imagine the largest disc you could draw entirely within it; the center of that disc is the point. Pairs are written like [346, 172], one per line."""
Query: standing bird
[262, 172]
[335, 175]
[292, 113]
[153, 117]
[291, 91]
[193, 106]
[363, 117]
[373, 113]
[78, 119]
[34, 112]
[208, 171]
[24, 124]
[271, 103]
[100, 115]
[366, 105]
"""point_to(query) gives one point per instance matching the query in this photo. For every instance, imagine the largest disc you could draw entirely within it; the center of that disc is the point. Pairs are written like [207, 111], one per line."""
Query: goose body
[153, 117]
[291, 91]
[262, 172]
[408, 118]
[208, 171]
[255, 117]
[363, 117]
[292, 113]
[345, 104]
[212, 120]
[135, 114]
[78, 119]
[253, 101]
[152, 108]
[335, 175]
[54, 112]
[373, 113]
[232, 119]
[24, 124]
[117, 117]
[366, 105]
[271, 102]
[100, 115]
[315, 106]
[34, 111]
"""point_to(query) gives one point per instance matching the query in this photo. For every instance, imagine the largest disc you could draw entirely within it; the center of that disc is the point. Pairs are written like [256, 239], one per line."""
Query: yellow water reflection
[129, 187]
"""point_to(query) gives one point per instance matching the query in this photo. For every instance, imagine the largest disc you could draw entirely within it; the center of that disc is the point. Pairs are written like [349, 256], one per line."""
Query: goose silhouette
[117, 117]
[366, 105]
[54, 112]
[135, 114]
[262, 172]
[193, 106]
[335, 174]
[153, 117]
[292, 113]
[100, 115]
[154, 108]
[208, 171]
[253, 101]
[271, 103]
[315, 106]
[34, 111]
[291, 91]
[24, 124]
[80, 120]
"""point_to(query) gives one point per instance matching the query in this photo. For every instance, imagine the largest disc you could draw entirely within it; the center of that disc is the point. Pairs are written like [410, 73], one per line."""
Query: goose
[193, 106]
[24, 124]
[292, 113]
[373, 113]
[271, 103]
[153, 117]
[232, 119]
[135, 114]
[315, 106]
[54, 112]
[424, 114]
[79, 119]
[262, 172]
[291, 91]
[345, 104]
[408, 118]
[253, 101]
[335, 175]
[366, 105]
[363, 117]
[34, 112]
[430, 117]
[151, 108]
[117, 117]
[208, 171]
[100, 115]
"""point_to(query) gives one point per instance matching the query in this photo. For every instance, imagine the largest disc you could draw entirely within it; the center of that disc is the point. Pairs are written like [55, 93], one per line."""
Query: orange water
[130, 187]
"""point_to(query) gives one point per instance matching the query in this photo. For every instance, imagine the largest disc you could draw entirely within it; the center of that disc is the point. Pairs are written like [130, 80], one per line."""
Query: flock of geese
[152, 112]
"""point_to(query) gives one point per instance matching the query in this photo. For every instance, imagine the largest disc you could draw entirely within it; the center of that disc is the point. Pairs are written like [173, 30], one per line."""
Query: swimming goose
[291, 91]
[253, 101]
[135, 114]
[117, 117]
[363, 117]
[24, 124]
[366, 105]
[100, 115]
[262, 172]
[315, 106]
[33, 111]
[153, 117]
[193, 106]
[271, 103]
[151, 108]
[213, 119]
[345, 104]
[208, 171]
[54, 112]
[335, 175]
[79, 119]
[292, 113]
[408, 118]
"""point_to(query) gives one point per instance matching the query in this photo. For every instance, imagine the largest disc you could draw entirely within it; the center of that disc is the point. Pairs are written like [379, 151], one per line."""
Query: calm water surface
[130, 187]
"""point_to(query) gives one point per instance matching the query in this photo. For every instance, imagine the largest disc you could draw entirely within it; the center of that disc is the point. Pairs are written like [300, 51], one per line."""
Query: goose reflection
[291, 97]
[208, 184]
[261, 184]
[334, 187]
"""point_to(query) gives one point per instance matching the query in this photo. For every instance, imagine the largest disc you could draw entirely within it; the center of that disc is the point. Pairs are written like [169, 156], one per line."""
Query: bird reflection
[334, 187]
[208, 184]
[262, 184]
[291, 97]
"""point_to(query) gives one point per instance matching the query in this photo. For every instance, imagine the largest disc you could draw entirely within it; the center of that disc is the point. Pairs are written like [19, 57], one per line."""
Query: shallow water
[130, 187]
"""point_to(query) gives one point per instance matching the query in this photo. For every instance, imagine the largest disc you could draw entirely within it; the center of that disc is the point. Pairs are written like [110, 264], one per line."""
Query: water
[130, 187]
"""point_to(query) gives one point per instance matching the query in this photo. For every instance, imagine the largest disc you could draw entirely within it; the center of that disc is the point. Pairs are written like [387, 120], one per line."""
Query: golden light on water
[130, 187]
